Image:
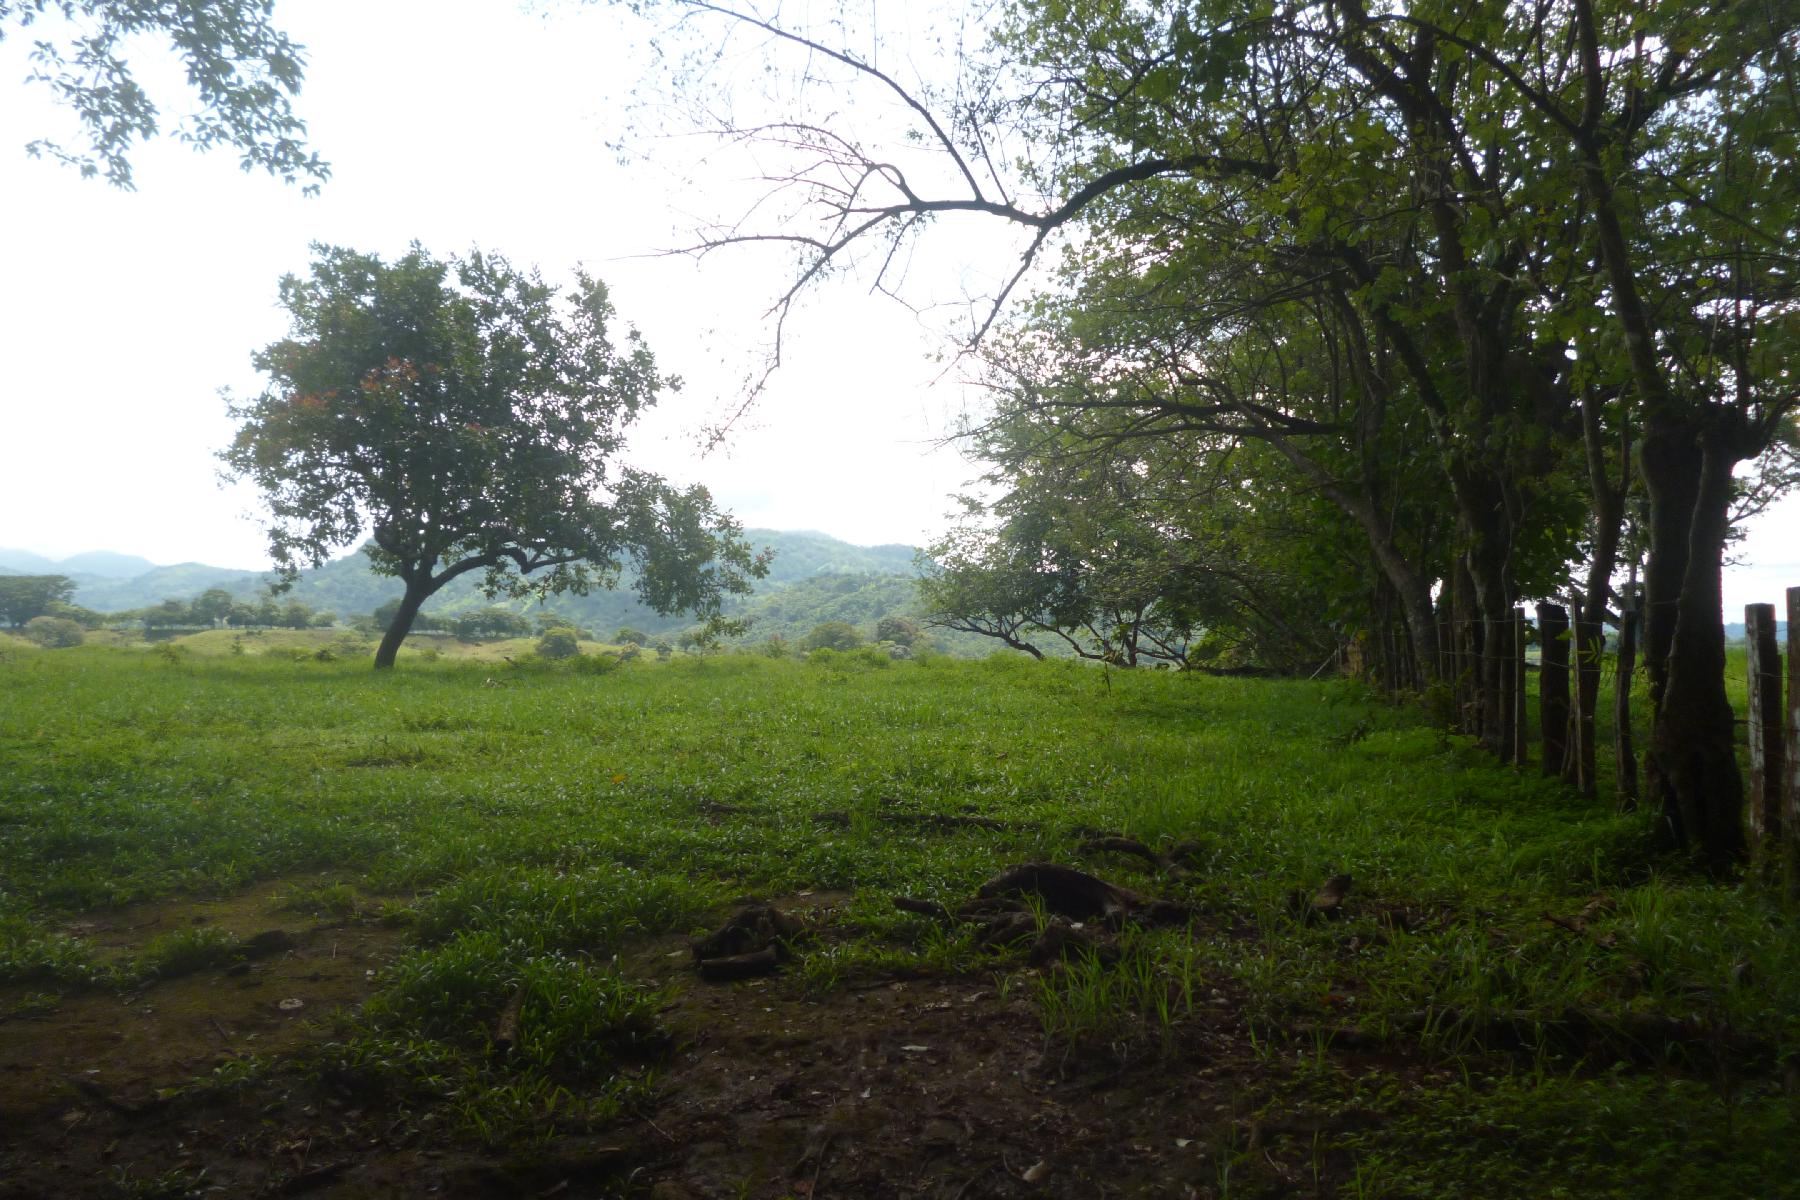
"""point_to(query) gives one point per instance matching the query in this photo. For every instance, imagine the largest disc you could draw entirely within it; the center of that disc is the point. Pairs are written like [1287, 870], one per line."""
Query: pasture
[274, 925]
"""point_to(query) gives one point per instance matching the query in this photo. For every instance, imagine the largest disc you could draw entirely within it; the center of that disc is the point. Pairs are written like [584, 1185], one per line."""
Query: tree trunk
[1624, 751]
[418, 590]
[1590, 620]
[1553, 685]
[1671, 459]
[1694, 771]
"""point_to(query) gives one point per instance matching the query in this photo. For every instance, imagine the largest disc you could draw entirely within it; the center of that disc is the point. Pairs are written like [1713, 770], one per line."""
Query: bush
[597, 664]
[631, 637]
[559, 642]
[54, 633]
[833, 635]
[902, 631]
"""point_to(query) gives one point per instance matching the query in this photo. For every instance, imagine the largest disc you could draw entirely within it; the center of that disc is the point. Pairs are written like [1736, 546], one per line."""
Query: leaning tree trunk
[1624, 752]
[417, 592]
[1590, 619]
[1694, 773]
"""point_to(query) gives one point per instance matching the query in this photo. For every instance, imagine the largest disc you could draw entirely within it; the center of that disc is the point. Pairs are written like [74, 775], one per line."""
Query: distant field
[486, 874]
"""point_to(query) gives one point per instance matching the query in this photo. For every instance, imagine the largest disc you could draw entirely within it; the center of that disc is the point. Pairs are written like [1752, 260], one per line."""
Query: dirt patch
[938, 1087]
[83, 1083]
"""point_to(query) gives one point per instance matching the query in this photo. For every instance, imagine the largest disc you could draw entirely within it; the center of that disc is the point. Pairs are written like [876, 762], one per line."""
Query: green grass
[534, 822]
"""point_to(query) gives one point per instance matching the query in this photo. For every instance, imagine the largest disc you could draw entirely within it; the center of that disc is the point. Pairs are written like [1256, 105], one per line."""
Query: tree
[23, 597]
[245, 71]
[902, 631]
[469, 413]
[832, 635]
[628, 636]
[492, 622]
[211, 606]
[87, 618]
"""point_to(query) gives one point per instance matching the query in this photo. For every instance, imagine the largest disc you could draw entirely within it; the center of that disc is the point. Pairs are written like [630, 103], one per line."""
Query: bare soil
[936, 1087]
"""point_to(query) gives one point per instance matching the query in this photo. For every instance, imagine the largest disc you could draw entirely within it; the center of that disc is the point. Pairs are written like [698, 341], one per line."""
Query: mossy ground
[535, 837]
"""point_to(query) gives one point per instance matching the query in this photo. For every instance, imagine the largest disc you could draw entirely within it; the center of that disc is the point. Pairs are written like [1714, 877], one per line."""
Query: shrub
[559, 642]
[598, 664]
[902, 631]
[833, 635]
[54, 633]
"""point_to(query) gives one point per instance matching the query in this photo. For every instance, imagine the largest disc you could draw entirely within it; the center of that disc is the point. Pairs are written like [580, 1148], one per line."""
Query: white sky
[460, 123]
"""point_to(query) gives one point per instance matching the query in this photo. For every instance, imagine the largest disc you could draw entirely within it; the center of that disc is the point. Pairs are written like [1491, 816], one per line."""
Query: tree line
[1350, 322]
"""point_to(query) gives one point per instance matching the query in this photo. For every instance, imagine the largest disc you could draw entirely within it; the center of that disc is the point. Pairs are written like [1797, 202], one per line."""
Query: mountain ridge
[347, 587]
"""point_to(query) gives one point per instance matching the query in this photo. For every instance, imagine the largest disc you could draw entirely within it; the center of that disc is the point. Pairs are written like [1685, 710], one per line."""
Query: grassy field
[546, 839]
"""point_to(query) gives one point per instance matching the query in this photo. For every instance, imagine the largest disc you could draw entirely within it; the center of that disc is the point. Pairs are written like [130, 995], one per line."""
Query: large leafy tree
[470, 415]
[244, 70]
[23, 597]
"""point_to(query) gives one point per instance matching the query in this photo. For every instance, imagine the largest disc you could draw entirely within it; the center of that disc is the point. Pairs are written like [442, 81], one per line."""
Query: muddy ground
[924, 1087]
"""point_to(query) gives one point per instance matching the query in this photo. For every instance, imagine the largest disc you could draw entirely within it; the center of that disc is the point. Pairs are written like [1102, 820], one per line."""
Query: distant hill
[813, 577]
[1735, 632]
[24, 562]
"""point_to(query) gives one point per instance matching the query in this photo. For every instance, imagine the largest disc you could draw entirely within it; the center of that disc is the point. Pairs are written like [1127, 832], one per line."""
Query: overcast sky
[461, 123]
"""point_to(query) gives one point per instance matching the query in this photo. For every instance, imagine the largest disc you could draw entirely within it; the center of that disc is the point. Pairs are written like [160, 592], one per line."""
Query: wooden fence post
[1520, 735]
[1553, 685]
[1767, 733]
[1791, 784]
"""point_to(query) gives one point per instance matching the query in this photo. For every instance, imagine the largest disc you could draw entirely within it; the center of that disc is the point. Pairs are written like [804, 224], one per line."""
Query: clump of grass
[336, 901]
[580, 1037]
[1147, 991]
[31, 954]
[185, 951]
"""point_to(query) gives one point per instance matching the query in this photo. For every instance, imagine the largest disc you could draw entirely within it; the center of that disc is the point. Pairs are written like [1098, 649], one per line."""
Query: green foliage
[244, 70]
[23, 597]
[832, 635]
[558, 642]
[87, 618]
[54, 633]
[902, 631]
[632, 637]
[489, 622]
[31, 954]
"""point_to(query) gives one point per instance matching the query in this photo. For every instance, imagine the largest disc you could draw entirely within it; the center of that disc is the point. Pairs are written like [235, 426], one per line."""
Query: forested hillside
[812, 578]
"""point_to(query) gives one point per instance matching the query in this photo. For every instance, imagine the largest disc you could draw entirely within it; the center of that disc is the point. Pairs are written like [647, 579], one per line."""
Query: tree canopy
[470, 415]
[23, 597]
